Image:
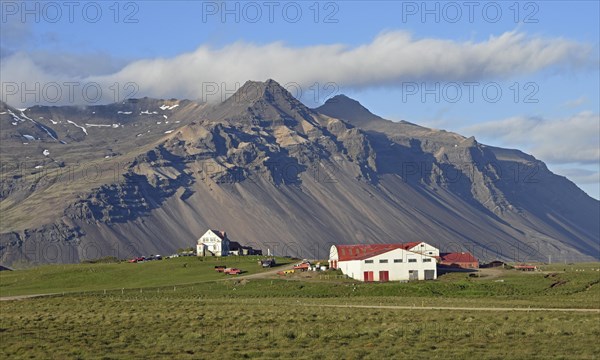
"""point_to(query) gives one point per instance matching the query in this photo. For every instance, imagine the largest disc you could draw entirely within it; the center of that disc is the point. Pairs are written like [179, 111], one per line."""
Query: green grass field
[109, 276]
[204, 317]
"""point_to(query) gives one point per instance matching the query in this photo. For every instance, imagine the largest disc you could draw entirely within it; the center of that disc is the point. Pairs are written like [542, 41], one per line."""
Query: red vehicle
[232, 271]
[137, 259]
[303, 266]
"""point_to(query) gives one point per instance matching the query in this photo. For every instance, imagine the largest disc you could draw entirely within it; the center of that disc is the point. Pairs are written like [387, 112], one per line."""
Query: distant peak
[340, 97]
[258, 100]
[270, 84]
[253, 91]
[347, 102]
[346, 108]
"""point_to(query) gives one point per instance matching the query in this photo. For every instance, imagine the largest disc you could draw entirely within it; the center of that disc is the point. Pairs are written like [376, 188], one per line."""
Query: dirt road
[267, 273]
[21, 297]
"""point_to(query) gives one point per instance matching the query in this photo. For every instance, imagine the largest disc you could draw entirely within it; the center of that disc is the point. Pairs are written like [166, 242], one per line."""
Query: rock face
[150, 176]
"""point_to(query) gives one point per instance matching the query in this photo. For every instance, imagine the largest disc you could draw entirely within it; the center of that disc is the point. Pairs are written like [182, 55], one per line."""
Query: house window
[427, 260]
[368, 261]
[397, 260]
[383, 261]
[412, 260]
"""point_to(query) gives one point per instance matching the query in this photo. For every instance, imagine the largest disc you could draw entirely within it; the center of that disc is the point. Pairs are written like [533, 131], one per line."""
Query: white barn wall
[397, 271]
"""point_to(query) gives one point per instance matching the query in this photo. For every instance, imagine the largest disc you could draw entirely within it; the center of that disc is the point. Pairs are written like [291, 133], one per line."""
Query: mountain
[151, 175]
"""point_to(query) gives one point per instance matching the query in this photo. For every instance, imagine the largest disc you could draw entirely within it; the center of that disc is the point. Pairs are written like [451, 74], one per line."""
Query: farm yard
[196, 312]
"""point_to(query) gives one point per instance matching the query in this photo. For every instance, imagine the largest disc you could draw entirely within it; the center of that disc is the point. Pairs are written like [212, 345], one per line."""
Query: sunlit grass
[181, 308]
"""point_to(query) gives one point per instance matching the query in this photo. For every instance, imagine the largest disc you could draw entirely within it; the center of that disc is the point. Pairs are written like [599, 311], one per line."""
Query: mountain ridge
[149, 175]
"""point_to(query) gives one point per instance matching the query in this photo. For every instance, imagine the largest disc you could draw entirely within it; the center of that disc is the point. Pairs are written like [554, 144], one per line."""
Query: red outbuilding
[463, 260]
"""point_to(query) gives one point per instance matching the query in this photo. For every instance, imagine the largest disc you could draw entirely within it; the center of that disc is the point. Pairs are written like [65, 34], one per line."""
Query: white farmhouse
[213, 243]
[385, 262]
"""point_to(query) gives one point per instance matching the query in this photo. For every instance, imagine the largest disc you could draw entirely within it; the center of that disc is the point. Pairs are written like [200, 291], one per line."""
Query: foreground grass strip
[452, 308]
[184, 325]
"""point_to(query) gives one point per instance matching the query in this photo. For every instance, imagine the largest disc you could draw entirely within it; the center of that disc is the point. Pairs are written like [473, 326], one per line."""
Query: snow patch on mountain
[167, 107]
[79, 126]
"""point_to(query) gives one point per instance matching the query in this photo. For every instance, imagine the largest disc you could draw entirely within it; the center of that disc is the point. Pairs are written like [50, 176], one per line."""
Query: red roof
[362, 251]
[458, 257]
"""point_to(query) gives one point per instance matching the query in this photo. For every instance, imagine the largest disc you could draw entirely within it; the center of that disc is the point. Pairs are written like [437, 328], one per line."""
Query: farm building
[235, 248]
[463, 260]
[385, 262]
[524, 267]
[423, 248]
[493, 264]
[213, 243]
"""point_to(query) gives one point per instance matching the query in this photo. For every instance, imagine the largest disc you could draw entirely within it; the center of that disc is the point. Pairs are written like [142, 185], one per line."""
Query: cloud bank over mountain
[565, 140]
[388, 60]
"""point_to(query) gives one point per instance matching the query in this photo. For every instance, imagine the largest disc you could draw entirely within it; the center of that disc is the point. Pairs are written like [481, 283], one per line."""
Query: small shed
[525, 267]
[463, 260]
[493, 264]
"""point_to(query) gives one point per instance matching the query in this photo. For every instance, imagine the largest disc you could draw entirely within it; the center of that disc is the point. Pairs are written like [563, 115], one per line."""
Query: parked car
[232, 271]
[267, 263]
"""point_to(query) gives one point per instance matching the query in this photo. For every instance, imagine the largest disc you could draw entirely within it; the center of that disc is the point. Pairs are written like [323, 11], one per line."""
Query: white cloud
[391, 58]
[576, 102]
[575, 139]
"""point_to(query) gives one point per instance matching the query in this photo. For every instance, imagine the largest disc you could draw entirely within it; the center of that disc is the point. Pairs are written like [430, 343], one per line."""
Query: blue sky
[407, 60]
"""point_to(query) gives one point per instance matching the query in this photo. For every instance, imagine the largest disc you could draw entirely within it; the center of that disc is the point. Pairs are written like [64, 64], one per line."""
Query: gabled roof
[457, 257]
[365, 251]
[221, 234]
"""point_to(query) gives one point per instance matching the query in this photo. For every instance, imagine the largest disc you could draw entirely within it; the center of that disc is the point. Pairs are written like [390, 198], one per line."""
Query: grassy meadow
[49, 279]
[206, 316]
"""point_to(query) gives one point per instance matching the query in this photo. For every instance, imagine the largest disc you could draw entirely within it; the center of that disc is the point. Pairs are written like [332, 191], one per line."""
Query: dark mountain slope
[273, 174]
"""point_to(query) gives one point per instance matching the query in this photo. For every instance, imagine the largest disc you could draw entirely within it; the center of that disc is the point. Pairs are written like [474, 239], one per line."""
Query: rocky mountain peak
[264, 103]
[343, 107]
[269, 91]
